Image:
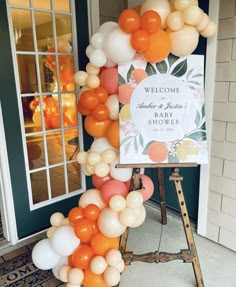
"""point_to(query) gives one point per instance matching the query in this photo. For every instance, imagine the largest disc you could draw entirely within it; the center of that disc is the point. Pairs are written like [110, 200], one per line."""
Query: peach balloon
[75, 276]
[80, 78]
[92, 70]
[192, 15]
[82, 157]
[56, 219]
[51, 231]
[175, 21]
[64, 272]
[117, 203]
[210, 29]
[184, 41]
[204, 23]
[113, 257]
[141, 218]
[111, 276]
[180, 5]
[93, 158]
[134, 199]
[91, 196]
[98, 264]
[109, 155]
[127, 217]
[92, 81]
[101, 169]
[89, 168]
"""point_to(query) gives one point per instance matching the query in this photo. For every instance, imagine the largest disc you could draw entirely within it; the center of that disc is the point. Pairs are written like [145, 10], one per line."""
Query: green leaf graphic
[180, 69]
[162, 67]
[197, 75]
[172, 158]
[129, 73]
[203, 110]
[198, 134]
[141, 140]
[125, 140]
[194, 83]
[145, 151]
[121, 80]
[189, 73]
[192, 87]
[172, 59]
[150, 69]
[127, 147]
[197, 119]
[136, 145]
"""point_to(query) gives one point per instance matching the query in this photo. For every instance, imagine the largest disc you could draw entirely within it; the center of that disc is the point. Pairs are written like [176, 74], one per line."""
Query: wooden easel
[187, 255]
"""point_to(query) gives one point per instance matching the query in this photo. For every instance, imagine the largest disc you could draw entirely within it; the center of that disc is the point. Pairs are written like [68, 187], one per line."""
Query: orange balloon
[129, 21]
[150, 22]
[95, 128]
[82, 256]
[93, 280]
[91, 212]
[113, 134]
[82, 110]
[84, 229]
[100, 113]
[102, 94]
[89, 99]
[71, 116]
[75, 214]
[101, 243]
[159, 49]
[137, 9]
[140, 41]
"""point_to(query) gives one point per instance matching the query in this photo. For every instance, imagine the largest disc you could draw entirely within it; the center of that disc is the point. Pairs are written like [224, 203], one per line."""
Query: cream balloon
[210, 29]
[98, 264]
[85, 172]
[92, 70]
[100, 145]
[113, 257]
[94, 158]
[117, 203]
[204, 23]
[93, 81]
[162, 7]
[97, 40]
[111, 276]
[109, 156]
[80, 78]
[134, 199]
[121, 174]
[120, 266]
[65, 221]
[82, 157]
[140, 220]
[184, 41]
[117, 47]
[192, 15]
[98, 58]
[57, 268]
[112, 104]
[172, 5]
[180, 5]
[51, 231]
[73, 285]
[75, 276]
[101, 169]
[89, 168]
[175, 21]
[56, 219]
[91, 196]
[64, 272]
[109, 224]
[127, 217]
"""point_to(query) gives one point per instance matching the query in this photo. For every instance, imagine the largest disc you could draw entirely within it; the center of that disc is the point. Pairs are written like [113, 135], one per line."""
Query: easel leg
[187, 228]
[162, 196]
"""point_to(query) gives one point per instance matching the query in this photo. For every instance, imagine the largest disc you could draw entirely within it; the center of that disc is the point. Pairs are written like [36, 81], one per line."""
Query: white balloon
[122, 174]
[64, 241]
[56, 269]
[100, 145]
[117, 47]
[98, 58]
[106, 28]
[97, 40]
[162, 7]
[43, 255]
[112, 104]
[89, 50]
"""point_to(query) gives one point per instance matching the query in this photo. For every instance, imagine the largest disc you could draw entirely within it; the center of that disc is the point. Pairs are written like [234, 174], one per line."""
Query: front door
[38, 56]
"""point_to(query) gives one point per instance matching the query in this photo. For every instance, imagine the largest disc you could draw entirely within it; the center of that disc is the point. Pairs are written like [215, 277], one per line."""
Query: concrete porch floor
[218, 264]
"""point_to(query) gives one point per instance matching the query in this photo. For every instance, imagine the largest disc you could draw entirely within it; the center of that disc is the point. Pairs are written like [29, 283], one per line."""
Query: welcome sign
[162, 115]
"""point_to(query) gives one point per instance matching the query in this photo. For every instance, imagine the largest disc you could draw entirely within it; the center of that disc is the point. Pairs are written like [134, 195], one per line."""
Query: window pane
[62, 5]
[39, 186]
[57, 179]
[64, 33]
[74, 180]
[20, 2]
[71, 143]
[22, 29]
[42, 4]
[35, 148]
[32, 118]
[27, 74]
[52, 118]
[54, 146]
[44, 29]
[47, 66]
[66, 64]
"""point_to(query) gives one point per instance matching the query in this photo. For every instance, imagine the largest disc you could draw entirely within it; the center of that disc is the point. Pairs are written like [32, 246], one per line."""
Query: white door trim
[209, 101]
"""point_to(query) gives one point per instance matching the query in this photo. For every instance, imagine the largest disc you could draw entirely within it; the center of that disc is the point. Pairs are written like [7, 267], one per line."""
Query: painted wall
[221, 219]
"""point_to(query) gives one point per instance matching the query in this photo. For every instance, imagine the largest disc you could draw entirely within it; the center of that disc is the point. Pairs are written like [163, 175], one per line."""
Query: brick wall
[221, 225]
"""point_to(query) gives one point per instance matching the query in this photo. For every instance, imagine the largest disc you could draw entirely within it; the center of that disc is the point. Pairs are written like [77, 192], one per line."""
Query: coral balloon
[101, 243]
[111, 188]
[183, 41]
[113, 134]
[89, 99]
[140, 40]
[82, 256]
[91, 212]
[84, 229]
[150, 22]
[159, 48]
[129, 21]
[91, 196]
[109, 223]
[109, 80]
[95, 128]
[93, 280]
[98, 181]
[148, 189]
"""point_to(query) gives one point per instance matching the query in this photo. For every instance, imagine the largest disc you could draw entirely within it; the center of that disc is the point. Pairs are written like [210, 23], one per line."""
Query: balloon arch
[82, 249]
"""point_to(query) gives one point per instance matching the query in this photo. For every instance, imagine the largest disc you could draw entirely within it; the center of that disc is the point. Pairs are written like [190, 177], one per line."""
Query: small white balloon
[117, 203]
[127, 217]
[80, 78]
[98, 58]
[43, 255]
[109, 155]
[89, 50]
[106, 28]
[93, 81]
[64, 241]
[101, 169]
[92, 70]
[112, 104]
[97, 40]
[111, 276]
[113, 257]
[56, 219]
[82, 157]
[100, 145]
[98, 264]
[134, 199]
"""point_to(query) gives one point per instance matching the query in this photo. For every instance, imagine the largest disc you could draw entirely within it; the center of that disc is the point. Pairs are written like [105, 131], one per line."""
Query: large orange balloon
[102, 94]
[101, 243]
[140, 40]
[82, 256]
[129, 21]
[89, 99]
[95, 128]
[113, 134]
[84, 229]
[93, 280]
[75, 214]
[100, 113]
[150, 22]
[159, 47]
